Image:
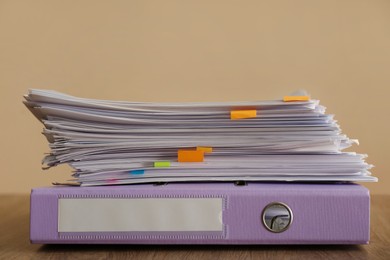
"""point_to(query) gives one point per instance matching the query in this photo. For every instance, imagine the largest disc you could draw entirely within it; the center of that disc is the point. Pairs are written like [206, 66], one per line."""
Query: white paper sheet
[104, 141]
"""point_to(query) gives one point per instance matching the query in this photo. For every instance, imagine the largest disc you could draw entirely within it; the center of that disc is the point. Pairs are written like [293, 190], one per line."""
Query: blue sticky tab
[137, 172]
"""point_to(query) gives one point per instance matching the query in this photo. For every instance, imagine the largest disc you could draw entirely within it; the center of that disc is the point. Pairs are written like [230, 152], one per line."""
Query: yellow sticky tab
[205, 149]
[162, 164]
[296, 98]
[241, 114]
[190, 156]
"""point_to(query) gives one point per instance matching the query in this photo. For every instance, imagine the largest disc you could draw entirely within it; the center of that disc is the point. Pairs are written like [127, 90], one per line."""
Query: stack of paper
[117, 142]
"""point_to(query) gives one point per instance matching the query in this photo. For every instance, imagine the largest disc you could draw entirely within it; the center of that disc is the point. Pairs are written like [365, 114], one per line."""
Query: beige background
[193, 51]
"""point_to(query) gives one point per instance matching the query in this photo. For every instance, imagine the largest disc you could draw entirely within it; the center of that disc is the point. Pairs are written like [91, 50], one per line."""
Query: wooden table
[15, 244]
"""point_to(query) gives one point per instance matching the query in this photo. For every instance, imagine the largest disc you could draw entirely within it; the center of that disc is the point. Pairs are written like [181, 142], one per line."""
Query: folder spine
[323, 214]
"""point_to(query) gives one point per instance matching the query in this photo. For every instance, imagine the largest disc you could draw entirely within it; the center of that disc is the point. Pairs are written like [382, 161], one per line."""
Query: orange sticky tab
[205, 149]
[190, 156]
[240, 114]
[296, 98]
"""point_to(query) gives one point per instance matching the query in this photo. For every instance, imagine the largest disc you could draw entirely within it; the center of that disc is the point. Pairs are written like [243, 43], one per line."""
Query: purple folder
[202, 213]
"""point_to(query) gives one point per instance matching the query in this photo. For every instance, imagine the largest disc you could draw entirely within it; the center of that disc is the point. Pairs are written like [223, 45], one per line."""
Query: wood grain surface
[15, 244]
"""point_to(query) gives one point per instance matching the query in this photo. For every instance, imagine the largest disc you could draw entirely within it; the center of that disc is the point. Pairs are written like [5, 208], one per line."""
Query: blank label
[139, 214]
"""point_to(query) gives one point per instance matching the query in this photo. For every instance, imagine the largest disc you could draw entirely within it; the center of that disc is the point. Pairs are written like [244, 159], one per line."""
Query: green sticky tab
[162, 164]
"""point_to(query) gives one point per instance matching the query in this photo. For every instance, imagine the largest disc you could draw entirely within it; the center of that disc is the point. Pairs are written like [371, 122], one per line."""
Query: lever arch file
[202, 213]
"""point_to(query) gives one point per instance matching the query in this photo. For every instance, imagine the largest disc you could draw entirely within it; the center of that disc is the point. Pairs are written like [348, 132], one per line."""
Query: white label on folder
[139, 214]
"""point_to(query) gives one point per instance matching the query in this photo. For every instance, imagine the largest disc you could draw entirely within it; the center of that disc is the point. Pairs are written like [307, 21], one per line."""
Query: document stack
[262, 172]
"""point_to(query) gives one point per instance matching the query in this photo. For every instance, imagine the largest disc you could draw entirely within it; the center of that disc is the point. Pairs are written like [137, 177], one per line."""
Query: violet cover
[322, 213]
